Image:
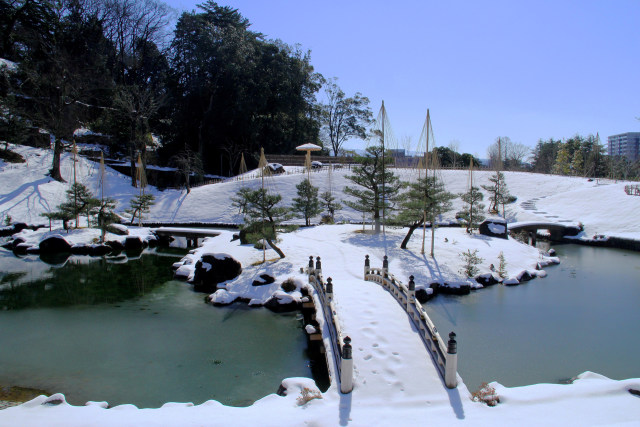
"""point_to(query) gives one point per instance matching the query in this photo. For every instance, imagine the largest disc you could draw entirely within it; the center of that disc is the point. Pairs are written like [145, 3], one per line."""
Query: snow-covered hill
[602, 206]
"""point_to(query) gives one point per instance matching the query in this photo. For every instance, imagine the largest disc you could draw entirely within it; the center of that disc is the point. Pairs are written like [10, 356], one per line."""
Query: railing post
[318, 265]
[329, 289]
[367, 266]
[451, 363]
[310, 269]
[411, 293]
[346, 367]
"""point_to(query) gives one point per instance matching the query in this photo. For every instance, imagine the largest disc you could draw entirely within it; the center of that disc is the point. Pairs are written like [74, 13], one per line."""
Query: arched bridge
[557, 231]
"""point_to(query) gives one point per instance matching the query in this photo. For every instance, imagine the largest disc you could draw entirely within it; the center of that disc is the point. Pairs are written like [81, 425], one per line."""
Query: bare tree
[454, 146]
[344, 118]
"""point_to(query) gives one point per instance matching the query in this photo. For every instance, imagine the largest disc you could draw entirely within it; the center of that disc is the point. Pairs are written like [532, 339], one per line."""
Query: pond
[581, 317]
[123, 332]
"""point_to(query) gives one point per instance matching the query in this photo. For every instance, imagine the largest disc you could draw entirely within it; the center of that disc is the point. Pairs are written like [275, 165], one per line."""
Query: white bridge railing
[340, 343]
[444, 355]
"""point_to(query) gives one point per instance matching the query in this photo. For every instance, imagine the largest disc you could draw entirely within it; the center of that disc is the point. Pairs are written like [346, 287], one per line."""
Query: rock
[446, 289]
[118, 229]
[212, 269]
[524, 276]
[54, 244]
[115, 245]
[511, 282]
[266, 280]
[133, 243]
[21, 248]
[99, 250]
[80, 249]
[423, 295]
[12, 245]
[235, 237]
[275, 305]
[487, 279]
[33, 250]
[494, 227]
[552, 252]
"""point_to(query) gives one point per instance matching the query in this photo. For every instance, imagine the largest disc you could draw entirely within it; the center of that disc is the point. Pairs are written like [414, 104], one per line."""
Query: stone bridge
[557, 231]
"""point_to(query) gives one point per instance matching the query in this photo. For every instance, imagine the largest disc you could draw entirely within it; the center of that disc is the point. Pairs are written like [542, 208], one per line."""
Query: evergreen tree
[502, 266]
[262, 215]
[330, 204]
[369, 174]
[79, 200]
[139, 205]
[472, 213]
[424, 201]
[106, 216]
[471, 260]
[562, 164]
[499, 194]
[307, 201]
[577, 163]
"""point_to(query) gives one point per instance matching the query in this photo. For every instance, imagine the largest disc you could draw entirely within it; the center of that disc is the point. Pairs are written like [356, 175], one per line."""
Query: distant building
[625, 144]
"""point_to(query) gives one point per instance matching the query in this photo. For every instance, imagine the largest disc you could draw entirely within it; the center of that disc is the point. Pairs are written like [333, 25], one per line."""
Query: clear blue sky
[522, 69]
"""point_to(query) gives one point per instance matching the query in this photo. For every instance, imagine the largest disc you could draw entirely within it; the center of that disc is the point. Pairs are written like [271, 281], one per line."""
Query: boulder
[13, 244]
[280, 305]
[99, 249]
[265, 279]
[21, 248]
[212, 269]
[55, 244]
[423, 295]
[80, 249]
[494, 227]
[446, 289]
[133, 243]
[487, 279]
[115, 245]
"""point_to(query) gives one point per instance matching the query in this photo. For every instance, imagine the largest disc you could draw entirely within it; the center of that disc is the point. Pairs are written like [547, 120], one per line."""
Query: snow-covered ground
[386, 392]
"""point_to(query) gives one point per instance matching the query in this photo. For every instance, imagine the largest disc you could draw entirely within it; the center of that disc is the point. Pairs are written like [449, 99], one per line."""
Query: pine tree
[495, 189]
[262, 215]
[424, 201]
[139, 205]
[106, 216]
[307, 201]
[577, 164]
[502, 265]
[378, 182]
[471, 260]
[330, 204]
[472, 213]
[80, 200]
[562, 165]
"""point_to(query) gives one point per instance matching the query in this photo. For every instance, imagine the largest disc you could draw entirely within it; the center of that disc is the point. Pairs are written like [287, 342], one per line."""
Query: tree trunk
[275, 248]
[55, 166]
[406, 239]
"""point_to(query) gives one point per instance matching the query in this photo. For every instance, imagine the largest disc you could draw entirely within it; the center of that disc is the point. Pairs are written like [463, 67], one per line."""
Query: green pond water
[582, 317]
[123, 332]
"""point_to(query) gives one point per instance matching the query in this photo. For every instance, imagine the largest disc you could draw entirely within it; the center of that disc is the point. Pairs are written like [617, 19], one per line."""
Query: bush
[10, 156]
[471, 260]
[289, 285]
[307, 395]
[486, 394]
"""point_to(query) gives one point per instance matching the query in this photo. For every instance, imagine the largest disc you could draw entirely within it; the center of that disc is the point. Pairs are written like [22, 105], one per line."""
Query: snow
[496, 228]
[395, 380]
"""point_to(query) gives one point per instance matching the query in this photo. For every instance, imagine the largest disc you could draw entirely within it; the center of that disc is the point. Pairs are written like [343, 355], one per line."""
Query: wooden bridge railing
[444, 356]
[340, 343]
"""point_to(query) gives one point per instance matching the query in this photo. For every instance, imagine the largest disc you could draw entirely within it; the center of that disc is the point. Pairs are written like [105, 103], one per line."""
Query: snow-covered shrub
[486, 394]
[307, 395]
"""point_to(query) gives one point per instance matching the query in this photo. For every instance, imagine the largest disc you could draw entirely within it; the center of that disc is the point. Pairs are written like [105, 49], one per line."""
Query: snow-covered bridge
[556, 230]
[390, 349]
